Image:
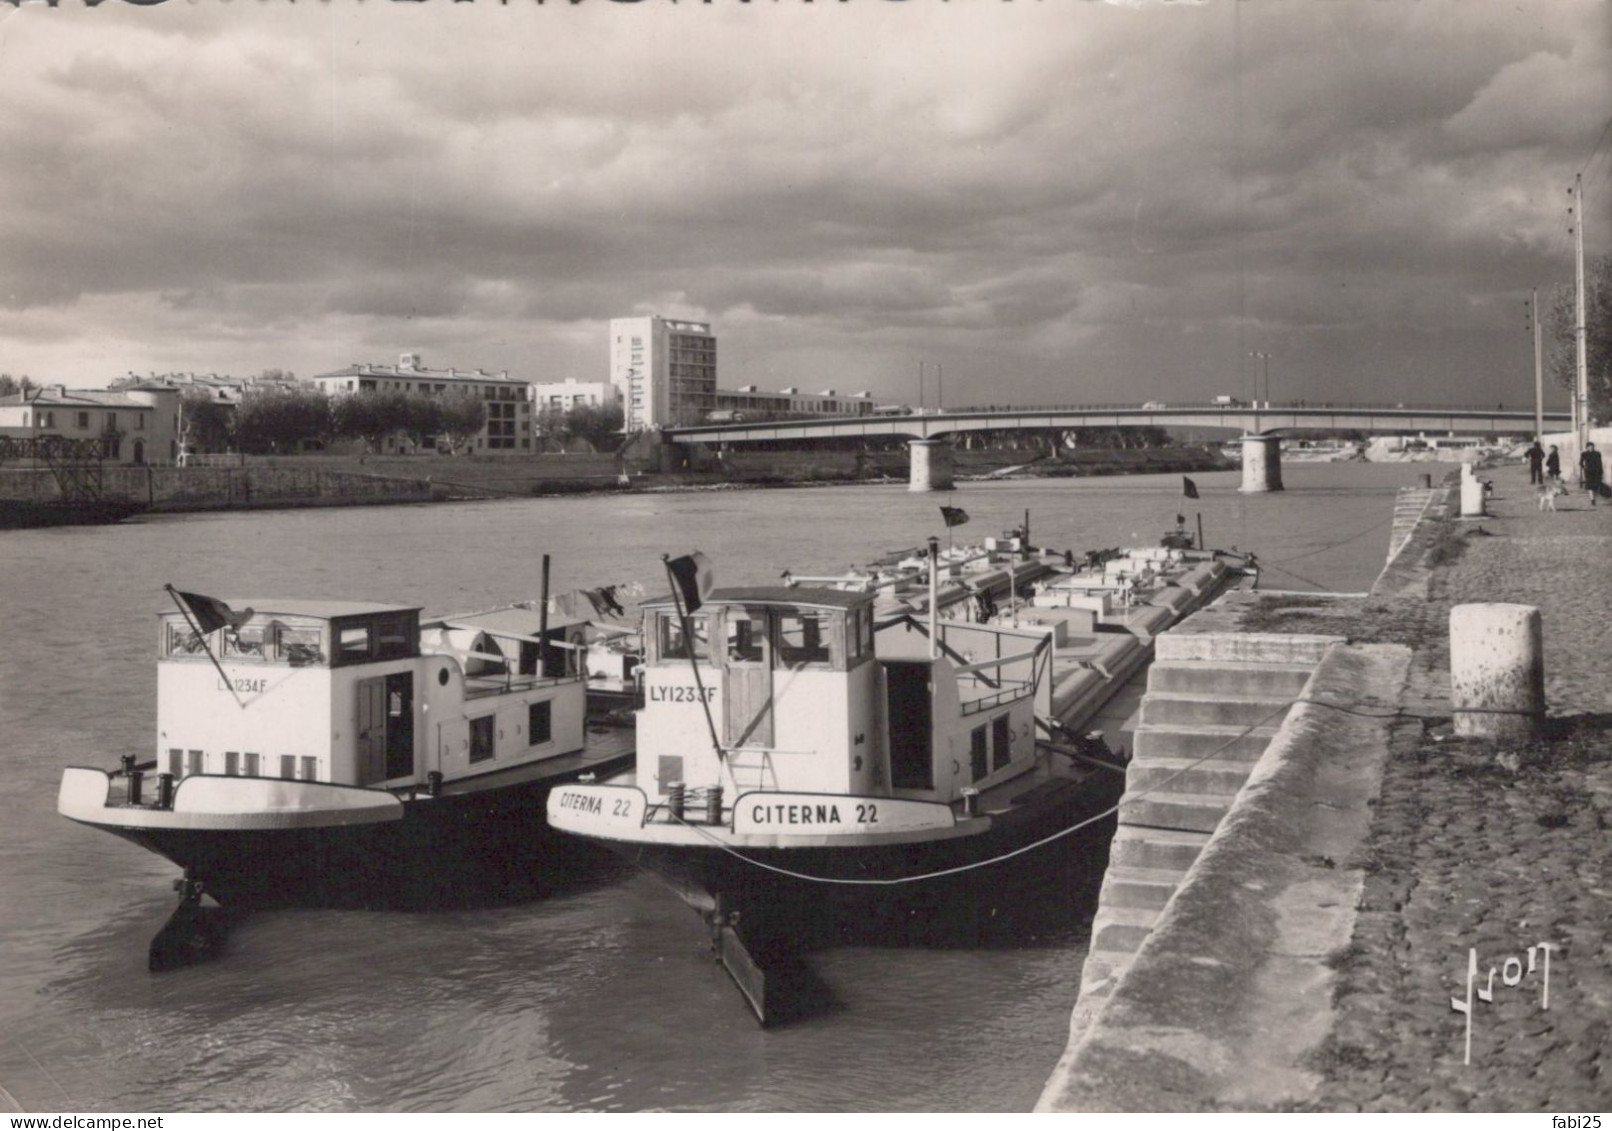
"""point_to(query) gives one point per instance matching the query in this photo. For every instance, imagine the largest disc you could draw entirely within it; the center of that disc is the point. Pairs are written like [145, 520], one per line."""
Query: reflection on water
[599, 999]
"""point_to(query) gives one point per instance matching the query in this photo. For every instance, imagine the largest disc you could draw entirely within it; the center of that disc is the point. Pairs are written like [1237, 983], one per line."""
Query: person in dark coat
[1536, 464]
[1589, 465]
[1553, 464]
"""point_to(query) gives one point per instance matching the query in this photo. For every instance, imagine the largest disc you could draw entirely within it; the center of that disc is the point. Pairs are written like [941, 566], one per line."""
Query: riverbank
[1310, 958]
[321, 481]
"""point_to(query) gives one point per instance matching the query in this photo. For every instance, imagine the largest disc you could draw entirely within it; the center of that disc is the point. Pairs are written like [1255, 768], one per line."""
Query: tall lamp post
[1265, 358]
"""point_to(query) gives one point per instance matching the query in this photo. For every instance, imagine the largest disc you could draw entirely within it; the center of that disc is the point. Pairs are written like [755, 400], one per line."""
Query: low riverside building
[568, 394]
[749, 402]
[508, 430]
[135, 425]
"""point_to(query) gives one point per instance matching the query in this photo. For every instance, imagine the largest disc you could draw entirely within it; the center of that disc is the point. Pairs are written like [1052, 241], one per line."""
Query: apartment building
[508, 430]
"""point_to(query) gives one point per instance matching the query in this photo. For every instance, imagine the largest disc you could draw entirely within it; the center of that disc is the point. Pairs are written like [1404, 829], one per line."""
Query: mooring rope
[1108, 812]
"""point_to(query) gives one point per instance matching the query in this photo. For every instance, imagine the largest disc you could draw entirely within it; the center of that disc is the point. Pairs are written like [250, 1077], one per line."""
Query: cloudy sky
[1055, 201]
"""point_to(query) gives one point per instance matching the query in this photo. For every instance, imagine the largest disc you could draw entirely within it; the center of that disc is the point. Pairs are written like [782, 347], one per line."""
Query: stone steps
[1180, 709]
[1155, 849]
[1213, 704]
[1186, 775]
[1145, 889]
[1191, 812]
[1241, 678]
[1122, 929]
[1222, 743]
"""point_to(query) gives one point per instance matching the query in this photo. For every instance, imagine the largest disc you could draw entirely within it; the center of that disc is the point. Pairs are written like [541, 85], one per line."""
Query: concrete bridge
[1260, 425]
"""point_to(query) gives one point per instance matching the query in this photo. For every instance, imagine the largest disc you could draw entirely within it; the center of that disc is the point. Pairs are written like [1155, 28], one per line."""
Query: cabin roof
[508, 622]
[779, 595]
[303, 607]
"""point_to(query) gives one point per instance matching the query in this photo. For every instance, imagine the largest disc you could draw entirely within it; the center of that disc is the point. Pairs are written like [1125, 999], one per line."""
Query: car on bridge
[1153, 406]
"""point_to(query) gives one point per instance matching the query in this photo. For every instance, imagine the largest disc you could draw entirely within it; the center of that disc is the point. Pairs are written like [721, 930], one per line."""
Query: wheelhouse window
[673, 645]
[389, 636]
[747, 637]
[299, 644]
[977, 762]
[395, 637]
[353, 643]
[182, 640]
[250, 642]
[804, 640]
[1001, 742]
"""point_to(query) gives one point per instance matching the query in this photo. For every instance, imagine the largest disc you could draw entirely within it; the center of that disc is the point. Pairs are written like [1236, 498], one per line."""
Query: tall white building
[665, 369]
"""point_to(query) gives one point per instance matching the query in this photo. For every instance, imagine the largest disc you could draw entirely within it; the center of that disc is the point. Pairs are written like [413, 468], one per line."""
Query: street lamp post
[1265, 358]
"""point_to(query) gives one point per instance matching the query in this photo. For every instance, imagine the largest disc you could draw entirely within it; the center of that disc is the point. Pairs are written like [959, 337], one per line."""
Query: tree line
[276, 421]
[271, 421]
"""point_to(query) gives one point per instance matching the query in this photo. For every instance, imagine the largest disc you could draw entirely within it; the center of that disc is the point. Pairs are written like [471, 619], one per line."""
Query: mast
[1580, 330]
[1539, 375]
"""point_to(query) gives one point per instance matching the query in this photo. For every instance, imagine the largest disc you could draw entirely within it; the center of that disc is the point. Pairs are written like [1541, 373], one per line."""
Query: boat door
[748, 678]
[385, 727]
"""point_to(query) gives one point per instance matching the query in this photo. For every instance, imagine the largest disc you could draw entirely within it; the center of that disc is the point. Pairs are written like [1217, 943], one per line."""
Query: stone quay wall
[215, 488]
[1313, 957]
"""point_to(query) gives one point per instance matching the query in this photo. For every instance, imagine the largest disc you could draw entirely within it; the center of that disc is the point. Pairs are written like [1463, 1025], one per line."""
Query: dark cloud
[1062, 201]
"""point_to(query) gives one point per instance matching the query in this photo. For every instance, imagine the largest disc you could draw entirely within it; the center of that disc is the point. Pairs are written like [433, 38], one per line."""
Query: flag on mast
[953, 516]
[695, 578]
[1189, 488]
[209, 613]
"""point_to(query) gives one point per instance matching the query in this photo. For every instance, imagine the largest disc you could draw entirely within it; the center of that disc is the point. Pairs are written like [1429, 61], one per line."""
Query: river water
[604, 999]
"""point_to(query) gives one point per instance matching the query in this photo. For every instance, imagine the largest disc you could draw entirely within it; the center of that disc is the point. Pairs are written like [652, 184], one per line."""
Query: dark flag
[1180, 520]
[209, 613]
[953, 516]
[612, 604]
[1189, 488]
[694, 578]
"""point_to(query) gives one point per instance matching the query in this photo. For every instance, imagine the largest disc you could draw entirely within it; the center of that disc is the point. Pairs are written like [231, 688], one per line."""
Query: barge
[348, 754]
[811, 762]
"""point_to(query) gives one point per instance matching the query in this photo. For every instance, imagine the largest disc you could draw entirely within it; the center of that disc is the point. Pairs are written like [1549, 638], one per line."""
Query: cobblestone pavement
[1488, 848]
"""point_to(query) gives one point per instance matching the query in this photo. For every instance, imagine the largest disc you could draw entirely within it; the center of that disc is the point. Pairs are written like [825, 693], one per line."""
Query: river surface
[604, 999]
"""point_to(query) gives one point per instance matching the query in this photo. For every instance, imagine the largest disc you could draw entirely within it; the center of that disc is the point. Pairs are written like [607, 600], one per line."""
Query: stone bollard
[1471, 493]
[1497, 671]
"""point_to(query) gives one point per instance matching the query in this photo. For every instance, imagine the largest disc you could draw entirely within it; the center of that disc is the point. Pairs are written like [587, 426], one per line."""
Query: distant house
[508, 430]
[135, 425]
[568, 394]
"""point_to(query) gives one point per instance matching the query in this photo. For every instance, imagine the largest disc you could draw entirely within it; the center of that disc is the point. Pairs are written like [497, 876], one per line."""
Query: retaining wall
[1229, 992]
[206, 488]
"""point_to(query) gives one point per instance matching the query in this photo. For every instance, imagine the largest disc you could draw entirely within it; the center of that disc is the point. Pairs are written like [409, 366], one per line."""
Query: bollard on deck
[1497, 671]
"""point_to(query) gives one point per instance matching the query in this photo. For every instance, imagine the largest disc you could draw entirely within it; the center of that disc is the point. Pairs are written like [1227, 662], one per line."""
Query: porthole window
[442, 677]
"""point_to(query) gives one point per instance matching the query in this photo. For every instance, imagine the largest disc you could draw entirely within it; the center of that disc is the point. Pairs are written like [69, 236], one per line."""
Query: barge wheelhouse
[325, 753]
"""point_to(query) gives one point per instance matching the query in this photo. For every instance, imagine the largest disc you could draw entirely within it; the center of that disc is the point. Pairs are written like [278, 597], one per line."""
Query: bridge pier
[931, 465]
[1262, 464]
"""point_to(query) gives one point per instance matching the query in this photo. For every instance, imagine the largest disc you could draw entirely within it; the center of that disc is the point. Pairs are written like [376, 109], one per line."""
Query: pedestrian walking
[1589, 466]
[1536, 464]
[1553, 464]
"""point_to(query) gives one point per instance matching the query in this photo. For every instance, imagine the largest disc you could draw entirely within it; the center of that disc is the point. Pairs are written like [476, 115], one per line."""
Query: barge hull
[984, 904]
[457, 850]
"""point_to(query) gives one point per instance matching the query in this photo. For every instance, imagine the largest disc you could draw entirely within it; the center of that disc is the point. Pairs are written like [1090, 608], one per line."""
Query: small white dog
[1548, 493]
